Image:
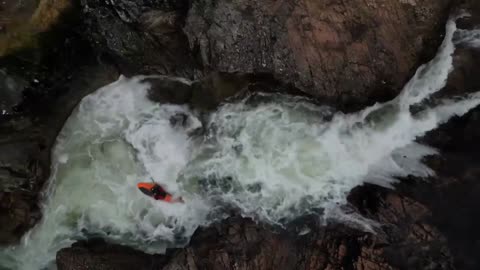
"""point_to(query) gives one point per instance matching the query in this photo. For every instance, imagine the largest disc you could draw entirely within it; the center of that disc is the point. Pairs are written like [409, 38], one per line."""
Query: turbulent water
[273, 157]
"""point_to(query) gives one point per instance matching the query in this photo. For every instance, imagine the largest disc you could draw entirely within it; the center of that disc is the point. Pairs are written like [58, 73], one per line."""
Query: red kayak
[155, 191]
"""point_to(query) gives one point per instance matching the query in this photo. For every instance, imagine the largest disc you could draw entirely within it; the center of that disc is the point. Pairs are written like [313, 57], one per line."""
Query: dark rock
[217, 88]
[212, 90]
[18, 165]
[50, 81]
[26, 139]
[453, 195]
[18, 212]
[47, 68]
[143, 37]
[351, 50]
[406, 229]
[169, 90]
[470, 22]
[98, 255]
[11, 94]
[461, 133]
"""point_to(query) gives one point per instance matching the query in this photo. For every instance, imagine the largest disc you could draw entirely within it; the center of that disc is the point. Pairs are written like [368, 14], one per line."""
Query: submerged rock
[18, 213]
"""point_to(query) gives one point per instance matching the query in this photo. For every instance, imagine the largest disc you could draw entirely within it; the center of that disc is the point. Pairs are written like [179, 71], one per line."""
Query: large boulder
[337, 50]
[140, 37]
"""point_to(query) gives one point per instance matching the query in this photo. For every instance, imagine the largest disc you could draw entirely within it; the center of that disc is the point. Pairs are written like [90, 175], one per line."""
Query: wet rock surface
[209, 92]
[140, 37]
[19, 212]
[336, 50]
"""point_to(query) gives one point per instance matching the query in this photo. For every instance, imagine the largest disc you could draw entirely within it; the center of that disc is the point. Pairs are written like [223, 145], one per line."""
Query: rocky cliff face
[349, 53]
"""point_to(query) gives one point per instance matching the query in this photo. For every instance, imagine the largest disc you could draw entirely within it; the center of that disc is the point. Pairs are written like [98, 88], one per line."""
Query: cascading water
[114, 139]
[273, 157]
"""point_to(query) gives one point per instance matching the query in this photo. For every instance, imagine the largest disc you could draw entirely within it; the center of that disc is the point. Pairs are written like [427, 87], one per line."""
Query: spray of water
[273, 157]
[470, 38]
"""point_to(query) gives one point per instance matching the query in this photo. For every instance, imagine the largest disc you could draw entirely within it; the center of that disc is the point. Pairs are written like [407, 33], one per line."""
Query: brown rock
[169, 90]
[21, 21]
[18, 212]
[328, 49]
[101, 256]
[257, 247]
[48, 13]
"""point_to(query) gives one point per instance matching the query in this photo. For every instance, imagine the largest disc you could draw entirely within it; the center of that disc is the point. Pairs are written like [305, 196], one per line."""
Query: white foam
[469, 38]
[114, 139]
[431, 77]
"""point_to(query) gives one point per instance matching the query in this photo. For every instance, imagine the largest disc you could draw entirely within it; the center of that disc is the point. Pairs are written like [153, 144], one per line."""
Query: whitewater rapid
[271, 156]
